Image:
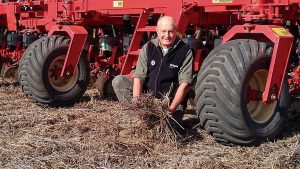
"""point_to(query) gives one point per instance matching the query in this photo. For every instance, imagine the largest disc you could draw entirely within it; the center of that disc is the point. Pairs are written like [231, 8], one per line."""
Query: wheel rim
[61, 84]
[259, 111]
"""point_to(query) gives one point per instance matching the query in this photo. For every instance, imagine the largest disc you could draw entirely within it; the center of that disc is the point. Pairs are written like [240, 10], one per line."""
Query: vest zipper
[157, 76]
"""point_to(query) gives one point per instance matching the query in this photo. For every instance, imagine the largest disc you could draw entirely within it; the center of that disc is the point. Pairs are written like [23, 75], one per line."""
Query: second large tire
[39, 73]
[223, 99]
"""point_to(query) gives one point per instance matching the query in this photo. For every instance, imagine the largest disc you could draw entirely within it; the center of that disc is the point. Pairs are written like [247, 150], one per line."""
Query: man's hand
[171, 109]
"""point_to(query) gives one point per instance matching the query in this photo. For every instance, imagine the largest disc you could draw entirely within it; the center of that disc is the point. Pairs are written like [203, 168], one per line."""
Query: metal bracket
[283, 41]
[78, 35]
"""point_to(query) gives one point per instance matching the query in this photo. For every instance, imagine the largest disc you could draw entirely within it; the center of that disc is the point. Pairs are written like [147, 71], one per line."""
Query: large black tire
[36, 73]
[223, 107]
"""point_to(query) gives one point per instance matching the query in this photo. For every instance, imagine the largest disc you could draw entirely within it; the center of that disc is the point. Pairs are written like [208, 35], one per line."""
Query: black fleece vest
[162, 75]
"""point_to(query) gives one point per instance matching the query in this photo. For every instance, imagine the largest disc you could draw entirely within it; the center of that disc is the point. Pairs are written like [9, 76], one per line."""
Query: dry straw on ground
[87, 136]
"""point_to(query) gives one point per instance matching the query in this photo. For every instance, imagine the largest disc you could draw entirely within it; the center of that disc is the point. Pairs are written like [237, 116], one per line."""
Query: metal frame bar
[78, 36]
[280, 55]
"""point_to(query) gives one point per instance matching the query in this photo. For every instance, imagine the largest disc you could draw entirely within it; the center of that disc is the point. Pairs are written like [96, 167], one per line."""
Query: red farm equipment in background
[247, 54]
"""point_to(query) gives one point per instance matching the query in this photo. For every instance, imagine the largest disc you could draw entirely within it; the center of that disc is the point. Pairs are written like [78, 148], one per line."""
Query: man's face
[166, 33]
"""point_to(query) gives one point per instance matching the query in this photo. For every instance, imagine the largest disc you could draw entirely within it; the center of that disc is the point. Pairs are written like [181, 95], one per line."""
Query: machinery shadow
[192, 133]
[87, 98]
[7, 84]
[292, 125]
[290, 129]
[191, 125]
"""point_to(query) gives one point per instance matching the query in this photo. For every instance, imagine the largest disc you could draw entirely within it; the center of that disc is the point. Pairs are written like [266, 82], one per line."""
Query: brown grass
[87, 136]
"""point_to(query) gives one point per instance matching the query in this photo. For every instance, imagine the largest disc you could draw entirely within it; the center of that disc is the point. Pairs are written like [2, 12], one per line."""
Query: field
[87, 135]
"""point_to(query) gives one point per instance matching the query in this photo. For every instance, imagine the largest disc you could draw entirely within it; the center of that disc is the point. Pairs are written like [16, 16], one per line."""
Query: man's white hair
[165, 19]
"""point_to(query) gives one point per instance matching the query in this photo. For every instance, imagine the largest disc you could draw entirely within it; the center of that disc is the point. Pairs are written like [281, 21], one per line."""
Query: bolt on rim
[61, 84]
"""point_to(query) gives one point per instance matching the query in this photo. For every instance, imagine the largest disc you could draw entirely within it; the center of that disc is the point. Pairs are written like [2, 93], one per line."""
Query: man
[164, 67]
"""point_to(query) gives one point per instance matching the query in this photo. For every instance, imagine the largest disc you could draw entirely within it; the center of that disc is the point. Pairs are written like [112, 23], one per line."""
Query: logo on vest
[172, 66]
[153, 62]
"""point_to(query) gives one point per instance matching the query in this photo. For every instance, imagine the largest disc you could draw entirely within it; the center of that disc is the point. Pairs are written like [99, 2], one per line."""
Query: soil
[90, 134]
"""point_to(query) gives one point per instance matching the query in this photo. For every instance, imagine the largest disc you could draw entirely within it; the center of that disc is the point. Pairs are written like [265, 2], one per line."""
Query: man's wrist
[135, 98]
[171, 109]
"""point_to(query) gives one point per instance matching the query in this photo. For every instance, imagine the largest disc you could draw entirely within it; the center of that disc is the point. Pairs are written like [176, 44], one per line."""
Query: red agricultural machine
[247, 54]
